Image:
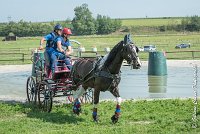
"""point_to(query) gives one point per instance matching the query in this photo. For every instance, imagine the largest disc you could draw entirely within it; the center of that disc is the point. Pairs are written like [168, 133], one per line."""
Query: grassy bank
[150, 21]
[158, 116]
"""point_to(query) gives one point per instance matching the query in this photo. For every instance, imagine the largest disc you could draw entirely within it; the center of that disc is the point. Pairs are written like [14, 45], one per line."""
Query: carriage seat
[61, 67]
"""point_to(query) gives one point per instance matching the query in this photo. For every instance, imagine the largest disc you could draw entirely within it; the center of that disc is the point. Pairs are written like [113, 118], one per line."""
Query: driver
[50, 40]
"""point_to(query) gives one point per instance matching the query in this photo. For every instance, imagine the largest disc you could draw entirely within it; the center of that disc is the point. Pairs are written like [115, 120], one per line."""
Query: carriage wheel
[87, 97]
[45, 96]
[31, 90]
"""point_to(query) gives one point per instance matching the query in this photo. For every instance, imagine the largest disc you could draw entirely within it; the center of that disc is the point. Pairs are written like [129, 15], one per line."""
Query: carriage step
[67, 94]
[60, 86]
[68, 82]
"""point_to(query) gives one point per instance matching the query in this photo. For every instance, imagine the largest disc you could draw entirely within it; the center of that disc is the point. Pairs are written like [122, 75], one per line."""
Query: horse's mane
[113, 53]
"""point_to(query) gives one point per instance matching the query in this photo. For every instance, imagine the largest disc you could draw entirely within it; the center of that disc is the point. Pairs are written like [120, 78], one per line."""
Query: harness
[98, 72]
[115, 78]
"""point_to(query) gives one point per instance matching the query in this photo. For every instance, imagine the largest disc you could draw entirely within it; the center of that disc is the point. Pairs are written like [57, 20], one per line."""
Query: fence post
[23, 57]
[192, 54]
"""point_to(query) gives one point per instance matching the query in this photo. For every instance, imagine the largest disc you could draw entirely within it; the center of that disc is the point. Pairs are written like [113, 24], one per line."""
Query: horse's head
[130, 53]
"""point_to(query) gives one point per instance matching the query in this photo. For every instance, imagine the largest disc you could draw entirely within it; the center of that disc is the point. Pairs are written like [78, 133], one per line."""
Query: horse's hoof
[96, 121]
[114, 119]
[95, 118]
[76, 111]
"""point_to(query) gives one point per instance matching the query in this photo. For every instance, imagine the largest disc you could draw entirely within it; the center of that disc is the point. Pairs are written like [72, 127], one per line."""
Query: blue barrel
[38, 62]
[157, 64]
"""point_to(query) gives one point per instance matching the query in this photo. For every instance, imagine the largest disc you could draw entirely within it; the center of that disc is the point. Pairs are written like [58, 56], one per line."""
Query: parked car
[149, 48]
[183, 46]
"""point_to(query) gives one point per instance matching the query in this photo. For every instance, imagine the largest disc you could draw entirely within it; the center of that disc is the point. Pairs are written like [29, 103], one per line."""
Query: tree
[191, 23]
[106, 25]
[83, 23]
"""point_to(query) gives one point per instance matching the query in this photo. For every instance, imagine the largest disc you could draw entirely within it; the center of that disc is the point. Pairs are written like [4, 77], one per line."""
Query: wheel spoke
[30, 89]
[45, 97]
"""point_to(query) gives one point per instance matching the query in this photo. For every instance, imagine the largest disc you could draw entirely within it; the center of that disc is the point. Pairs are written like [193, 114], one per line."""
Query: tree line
[85, 24]
[24, 29]
[191, 24]
[82, 24]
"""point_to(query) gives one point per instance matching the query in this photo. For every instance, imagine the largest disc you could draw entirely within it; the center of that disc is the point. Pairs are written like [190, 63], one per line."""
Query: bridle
[132, 56]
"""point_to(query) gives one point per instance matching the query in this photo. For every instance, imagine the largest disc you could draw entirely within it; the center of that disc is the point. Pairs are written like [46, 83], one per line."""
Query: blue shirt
[51, 39]
[59, 38]
[66, 43]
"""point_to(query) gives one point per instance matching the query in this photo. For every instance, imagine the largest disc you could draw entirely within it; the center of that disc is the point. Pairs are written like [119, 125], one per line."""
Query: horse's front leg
[116, 116]
[77, 94]
[95, 104]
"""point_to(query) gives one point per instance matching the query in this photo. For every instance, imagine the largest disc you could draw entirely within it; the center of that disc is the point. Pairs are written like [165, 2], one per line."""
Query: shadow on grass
[61, 113]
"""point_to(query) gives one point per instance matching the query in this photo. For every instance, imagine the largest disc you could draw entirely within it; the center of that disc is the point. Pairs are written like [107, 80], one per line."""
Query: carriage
[42, 86]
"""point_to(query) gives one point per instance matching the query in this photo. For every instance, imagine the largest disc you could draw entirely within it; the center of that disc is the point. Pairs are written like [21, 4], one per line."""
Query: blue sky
[49, 10]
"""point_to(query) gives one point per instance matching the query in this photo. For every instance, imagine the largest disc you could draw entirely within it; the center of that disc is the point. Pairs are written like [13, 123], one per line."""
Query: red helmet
[66, 31]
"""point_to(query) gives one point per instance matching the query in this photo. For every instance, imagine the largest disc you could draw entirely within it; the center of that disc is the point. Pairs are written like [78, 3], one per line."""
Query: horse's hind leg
[116, 116]
[95, 104]
[77, 94]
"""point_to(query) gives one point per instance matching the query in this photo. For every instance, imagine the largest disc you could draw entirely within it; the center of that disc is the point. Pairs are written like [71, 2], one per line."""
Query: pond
[135, 84]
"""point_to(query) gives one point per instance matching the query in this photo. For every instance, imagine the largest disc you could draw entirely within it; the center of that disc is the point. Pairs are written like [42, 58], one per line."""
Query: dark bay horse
[104, 74]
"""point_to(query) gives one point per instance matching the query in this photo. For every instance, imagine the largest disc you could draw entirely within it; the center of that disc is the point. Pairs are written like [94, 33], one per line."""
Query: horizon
[111, 18]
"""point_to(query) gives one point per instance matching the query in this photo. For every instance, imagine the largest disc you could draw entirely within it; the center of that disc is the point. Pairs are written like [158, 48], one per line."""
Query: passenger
[50, 40]
[59, 52]
[66, 33]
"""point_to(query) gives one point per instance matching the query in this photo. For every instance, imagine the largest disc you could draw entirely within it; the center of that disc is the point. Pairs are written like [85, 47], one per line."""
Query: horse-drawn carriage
[102, 74]
[42, 86]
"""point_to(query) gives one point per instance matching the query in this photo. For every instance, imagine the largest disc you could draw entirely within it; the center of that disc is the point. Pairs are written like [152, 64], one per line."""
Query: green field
[151, 21]
[162, 42]
[158, 116]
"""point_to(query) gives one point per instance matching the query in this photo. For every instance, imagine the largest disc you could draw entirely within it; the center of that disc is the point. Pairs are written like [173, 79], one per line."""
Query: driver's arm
[59, 45]
[42, 42]
[69, 50]
[45, 38]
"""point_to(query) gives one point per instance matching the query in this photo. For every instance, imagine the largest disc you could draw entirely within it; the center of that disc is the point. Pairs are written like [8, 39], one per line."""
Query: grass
[162, 42]
[157, 116]
[151, 22]
[165, 42]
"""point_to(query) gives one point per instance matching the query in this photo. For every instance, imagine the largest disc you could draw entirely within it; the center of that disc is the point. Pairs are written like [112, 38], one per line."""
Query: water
[134, 84]
[13, 84]
[137, 84]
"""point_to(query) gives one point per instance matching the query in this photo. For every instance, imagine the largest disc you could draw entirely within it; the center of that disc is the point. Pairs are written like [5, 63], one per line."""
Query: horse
[103, 75]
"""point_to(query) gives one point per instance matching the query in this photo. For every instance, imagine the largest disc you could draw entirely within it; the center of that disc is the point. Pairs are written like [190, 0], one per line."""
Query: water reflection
[157, 86]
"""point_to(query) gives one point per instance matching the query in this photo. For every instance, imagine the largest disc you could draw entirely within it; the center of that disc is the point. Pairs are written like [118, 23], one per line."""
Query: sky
[54, 10]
